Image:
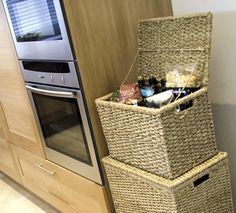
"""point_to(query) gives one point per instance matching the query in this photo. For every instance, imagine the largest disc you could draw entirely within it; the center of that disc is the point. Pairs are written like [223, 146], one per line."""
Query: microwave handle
[51, 93]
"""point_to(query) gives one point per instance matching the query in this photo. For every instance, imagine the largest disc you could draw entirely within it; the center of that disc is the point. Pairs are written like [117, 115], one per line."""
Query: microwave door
[38, 29]
[65, 131]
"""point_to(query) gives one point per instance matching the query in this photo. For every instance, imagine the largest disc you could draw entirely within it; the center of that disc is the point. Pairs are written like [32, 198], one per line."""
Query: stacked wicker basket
[163, 160]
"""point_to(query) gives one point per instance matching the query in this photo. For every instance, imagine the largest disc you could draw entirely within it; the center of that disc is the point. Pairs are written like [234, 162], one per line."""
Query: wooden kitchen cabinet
[7, 164]
[7, 159]
[104, 36]
[3, 125]
[65, 190]
[21, 125]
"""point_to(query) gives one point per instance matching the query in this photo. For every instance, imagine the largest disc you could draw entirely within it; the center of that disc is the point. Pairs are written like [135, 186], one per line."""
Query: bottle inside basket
[153, 92]
[146, 90]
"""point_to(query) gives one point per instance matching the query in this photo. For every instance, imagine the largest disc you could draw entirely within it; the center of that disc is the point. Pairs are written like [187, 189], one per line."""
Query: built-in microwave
[38, 29]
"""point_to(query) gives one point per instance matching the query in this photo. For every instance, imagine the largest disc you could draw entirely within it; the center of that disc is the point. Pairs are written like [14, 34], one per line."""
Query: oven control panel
[50, 73]
[56, 79]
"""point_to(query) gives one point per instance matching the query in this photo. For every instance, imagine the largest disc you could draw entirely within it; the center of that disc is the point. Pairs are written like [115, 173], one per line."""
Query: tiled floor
[14, 199]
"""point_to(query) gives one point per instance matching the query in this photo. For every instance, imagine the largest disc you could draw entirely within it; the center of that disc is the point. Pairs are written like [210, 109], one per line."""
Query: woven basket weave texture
[175, 40]
[162, 141]
[134, 190]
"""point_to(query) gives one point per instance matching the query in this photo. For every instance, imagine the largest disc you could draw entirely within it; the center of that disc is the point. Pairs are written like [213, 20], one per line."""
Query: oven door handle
[51, 92]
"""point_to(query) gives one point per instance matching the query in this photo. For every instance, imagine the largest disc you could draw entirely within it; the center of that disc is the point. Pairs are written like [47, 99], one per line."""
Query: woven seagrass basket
[163, 141]
[205, 188]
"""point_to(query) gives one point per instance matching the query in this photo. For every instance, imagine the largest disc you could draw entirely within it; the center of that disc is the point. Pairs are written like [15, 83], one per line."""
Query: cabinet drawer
[79, 193]
[6, 160]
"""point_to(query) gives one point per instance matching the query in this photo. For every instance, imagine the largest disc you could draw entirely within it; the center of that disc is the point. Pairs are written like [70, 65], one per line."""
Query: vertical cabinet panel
[3, 124]
[7, 164]
[7, 159]
[5, 156]
[13, 95]
[104, 35]
[1, 130]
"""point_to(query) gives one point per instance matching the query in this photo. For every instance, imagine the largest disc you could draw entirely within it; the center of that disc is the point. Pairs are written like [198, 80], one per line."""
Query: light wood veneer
[104, 35]
[7, 164]
[7, 159]
[21, 125]
[66, 190]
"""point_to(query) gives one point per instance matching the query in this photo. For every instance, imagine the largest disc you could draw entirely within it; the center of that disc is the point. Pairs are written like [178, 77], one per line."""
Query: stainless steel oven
[38, 29]
[61, 116]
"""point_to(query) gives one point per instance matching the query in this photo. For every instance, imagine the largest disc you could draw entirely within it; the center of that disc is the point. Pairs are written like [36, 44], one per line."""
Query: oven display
[34, 20]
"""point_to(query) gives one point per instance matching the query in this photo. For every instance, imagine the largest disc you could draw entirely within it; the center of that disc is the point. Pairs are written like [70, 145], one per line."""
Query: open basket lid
[175, 40]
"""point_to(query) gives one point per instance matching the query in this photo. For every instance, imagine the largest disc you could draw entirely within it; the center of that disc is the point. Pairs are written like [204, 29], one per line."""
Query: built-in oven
[61, 116]
[38, 29]
[44, 52]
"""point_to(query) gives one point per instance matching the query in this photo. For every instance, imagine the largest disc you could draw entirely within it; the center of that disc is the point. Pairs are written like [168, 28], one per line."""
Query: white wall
[222, 85]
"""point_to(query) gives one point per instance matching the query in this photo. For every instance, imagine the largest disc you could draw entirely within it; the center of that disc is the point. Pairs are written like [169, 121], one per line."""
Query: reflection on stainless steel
[64, 129]
[42, 29]
[51, 93]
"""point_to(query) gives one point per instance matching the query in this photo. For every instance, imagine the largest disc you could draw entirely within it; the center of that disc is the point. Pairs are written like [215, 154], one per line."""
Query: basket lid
[175, 40]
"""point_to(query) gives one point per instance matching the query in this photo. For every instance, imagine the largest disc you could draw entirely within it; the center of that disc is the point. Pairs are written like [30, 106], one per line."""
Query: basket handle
[190, 104]
[192, 99]
[201, 180]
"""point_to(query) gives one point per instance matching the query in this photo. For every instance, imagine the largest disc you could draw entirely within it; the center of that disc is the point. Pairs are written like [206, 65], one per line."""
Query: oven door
[38, 29]
[64, 129]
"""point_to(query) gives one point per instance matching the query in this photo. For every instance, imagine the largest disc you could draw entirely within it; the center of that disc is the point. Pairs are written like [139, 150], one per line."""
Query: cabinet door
[7, 160]
[2, 134]
[7, 164]
[13, 96]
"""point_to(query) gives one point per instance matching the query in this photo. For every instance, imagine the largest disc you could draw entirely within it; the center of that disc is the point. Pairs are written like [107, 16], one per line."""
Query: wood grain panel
[1, 132]
[7, 164]
[78, 193]
[104, 34]
[13, 96]
[54, 201]
[3, 125]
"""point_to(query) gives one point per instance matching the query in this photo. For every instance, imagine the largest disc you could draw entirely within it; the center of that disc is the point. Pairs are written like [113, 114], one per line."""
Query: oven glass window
[34, 20]
[62, 127]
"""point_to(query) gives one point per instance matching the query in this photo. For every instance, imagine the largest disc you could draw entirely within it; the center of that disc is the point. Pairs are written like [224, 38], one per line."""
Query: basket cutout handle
[184, 106]
[201, 180]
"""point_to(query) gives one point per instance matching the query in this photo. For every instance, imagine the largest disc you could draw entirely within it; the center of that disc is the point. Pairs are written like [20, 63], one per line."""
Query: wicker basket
[205, 188]
[163, 141]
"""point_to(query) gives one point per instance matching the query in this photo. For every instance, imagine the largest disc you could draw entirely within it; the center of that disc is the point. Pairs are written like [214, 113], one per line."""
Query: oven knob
[62, 79]
[51, 77]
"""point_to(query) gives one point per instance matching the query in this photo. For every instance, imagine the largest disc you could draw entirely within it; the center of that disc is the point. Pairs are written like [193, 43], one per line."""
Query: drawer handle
[40, 166]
